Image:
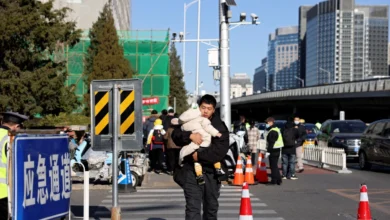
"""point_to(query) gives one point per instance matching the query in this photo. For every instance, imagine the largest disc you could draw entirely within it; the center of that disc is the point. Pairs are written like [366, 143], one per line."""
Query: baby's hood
[189, 115]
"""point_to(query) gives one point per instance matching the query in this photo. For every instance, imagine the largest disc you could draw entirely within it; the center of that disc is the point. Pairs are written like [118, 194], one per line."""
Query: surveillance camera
[242, 16]
[254, 17]
[181, 35]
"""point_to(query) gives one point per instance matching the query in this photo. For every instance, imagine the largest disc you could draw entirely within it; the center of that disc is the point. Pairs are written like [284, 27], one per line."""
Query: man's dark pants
[4, 209]
[273, 163]
[195, 195]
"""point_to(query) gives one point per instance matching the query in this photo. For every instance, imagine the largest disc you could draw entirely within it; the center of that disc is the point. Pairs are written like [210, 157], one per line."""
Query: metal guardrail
[372, 85]
[326, 157]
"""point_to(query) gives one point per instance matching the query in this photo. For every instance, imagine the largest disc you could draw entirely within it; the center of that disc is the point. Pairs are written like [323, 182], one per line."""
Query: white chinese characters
[65, 173]
[43, 194]
[28, 182]
[37, 188]
[55, 178]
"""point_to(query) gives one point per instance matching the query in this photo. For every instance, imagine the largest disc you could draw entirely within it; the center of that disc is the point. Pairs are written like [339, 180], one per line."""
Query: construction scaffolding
[148, 53]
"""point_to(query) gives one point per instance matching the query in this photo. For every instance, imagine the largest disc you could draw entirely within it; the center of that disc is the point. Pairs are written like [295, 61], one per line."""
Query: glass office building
[260, 77]
[283, 59]
[302, 40]
[345, 42]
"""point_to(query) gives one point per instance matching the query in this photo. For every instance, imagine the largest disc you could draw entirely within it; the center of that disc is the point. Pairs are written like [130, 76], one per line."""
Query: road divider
[329, 158]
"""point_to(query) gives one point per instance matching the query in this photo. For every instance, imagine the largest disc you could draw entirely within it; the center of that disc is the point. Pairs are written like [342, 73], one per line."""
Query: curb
[326, 167]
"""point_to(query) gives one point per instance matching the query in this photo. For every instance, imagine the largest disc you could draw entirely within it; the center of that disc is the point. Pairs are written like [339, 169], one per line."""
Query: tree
[176, 83]
[31, 81]
[105, 58]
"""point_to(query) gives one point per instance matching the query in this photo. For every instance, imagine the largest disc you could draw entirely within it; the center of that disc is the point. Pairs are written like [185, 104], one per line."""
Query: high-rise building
[345, 42]
[302, 40]
[260, 77]
[388, 58]
[86, 12]
[283, 59]
[240, 85]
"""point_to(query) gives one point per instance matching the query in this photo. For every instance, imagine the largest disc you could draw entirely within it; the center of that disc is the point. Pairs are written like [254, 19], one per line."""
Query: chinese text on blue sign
[42, 181]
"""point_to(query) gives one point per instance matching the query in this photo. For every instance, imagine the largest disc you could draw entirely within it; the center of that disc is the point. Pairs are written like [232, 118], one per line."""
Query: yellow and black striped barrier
[116, 108]
[102, 118]
[126, 112]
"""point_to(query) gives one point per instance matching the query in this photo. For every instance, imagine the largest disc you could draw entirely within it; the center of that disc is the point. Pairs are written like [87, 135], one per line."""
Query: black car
[280, 124]
[344, 134]
[375, 147]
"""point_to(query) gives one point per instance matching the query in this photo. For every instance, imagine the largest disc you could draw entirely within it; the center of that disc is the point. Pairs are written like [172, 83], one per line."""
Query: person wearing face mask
[12, 122]
[301, 139]
[275, 143]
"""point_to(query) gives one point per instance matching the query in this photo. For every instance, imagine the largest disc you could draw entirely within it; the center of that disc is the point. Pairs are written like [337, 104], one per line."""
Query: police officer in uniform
[275, 143]
[12, 122]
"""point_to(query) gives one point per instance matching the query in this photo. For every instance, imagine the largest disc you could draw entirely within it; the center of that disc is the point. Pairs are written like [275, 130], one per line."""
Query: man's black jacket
[302, 135]
[207, 156]
[272, 137]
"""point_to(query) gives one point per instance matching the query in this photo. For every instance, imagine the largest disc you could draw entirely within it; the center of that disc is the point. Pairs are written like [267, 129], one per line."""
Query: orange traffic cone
[258, 167]
[246, 207]
[238, 174]
[364, 212]
[249, 177]
[262, 177]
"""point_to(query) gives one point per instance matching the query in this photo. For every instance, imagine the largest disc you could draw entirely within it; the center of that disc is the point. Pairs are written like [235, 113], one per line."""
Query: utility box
[213, 54]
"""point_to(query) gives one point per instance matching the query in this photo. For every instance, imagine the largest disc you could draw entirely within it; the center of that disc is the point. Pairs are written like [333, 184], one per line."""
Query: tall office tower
[260, 77]
[283, 59]
[302, 40]
[345, 42]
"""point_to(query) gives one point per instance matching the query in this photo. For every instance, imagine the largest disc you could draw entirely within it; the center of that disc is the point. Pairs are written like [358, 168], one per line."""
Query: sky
[248, 43]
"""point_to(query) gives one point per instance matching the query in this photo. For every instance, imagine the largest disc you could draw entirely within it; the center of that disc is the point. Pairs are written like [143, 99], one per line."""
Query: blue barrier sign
[41, 177]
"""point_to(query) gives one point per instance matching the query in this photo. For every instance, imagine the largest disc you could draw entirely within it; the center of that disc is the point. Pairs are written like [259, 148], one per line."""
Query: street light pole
[225, 106]
[328, 74]
[184, 37]
[302, 81]
[197, 52]
[364, 69]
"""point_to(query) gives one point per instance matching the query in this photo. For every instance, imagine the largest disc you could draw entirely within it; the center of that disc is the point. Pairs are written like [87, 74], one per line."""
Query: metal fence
[326, 157]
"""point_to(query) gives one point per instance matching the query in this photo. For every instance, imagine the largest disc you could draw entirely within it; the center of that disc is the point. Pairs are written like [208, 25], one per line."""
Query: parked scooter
[99, 163]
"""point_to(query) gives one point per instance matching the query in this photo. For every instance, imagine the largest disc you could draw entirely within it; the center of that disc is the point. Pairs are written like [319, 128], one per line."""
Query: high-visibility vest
[279, 142]
[3, 163]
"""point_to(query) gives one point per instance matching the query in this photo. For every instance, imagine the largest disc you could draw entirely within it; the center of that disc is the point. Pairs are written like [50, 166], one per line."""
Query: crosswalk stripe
[181, 190]
[169, 200]
[157, 205]
[165, 218]
[145, 195]
[147, 204]
[182, 211]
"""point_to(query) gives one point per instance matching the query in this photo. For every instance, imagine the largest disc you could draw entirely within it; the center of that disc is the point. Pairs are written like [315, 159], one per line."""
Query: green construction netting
[155, 85]
[146, 50]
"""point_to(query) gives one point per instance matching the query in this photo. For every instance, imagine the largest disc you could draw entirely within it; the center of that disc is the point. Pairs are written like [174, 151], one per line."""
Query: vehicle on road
[343, 134]
[311, 134]
[375, 145]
